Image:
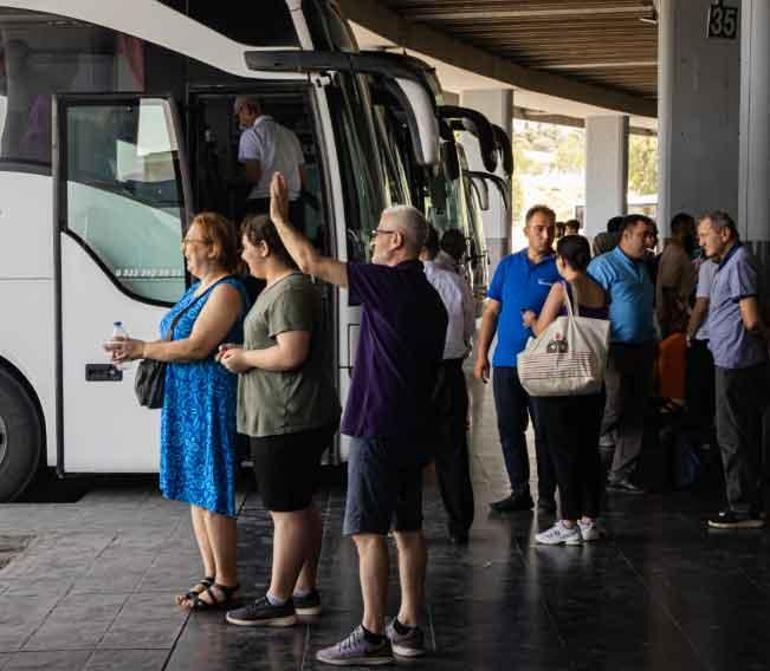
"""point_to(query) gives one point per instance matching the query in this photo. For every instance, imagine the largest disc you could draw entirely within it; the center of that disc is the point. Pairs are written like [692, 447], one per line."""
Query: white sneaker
[559, 534]
[589, 531]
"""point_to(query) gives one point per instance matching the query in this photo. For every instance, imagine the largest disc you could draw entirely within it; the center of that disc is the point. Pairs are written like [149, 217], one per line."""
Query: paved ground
[91, 586]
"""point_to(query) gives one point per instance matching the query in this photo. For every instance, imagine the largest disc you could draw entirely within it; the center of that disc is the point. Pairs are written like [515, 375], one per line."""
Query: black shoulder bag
[150, 379]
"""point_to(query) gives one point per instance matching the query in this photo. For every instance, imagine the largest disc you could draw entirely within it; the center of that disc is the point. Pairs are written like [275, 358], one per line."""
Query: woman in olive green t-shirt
[289, 408]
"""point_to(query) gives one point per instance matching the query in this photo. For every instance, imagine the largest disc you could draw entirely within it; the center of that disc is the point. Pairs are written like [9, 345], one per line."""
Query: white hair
[412, 224]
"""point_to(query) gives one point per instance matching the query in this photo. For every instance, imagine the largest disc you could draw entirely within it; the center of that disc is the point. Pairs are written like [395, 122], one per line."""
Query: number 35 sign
[722, 22]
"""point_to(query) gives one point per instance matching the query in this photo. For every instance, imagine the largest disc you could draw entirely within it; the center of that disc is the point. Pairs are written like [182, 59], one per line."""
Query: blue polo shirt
[631, 293]
[518, 285]
[731, 344]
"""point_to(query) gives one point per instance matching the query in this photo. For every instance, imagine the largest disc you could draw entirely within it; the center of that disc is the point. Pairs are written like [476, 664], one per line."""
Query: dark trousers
[513, 406]
[574, 423]
[700, 391]
[452, 465]
[628, 383]
[742, 402]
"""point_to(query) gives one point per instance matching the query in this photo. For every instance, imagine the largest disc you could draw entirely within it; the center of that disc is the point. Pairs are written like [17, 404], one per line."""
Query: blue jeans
[514, 408]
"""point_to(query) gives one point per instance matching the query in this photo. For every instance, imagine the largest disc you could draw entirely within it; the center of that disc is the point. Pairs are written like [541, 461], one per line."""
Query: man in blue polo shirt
[521, 282]
[628, 378]
[738, 340]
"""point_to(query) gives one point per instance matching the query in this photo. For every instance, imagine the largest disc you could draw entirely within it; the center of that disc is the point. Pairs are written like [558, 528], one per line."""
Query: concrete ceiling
[563, 57]
[455, 80]
[601, 42]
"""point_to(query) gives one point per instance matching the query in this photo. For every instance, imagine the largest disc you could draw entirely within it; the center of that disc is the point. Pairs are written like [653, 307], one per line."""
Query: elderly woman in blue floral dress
[197, 455]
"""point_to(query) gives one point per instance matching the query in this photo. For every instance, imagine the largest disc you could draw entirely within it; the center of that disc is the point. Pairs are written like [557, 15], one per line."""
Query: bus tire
[21, 436]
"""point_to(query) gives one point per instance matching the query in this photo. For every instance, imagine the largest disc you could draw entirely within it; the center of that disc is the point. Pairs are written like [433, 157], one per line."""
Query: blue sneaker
[355, 650]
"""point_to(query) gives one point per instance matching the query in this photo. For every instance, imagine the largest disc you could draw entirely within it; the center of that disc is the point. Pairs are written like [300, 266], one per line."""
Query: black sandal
[216, 603]
[205, 582]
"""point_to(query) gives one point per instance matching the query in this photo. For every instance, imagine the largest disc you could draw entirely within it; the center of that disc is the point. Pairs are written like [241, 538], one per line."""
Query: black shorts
[287, 467]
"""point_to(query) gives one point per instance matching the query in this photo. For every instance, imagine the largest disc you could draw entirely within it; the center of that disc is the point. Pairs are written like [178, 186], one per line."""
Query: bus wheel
[21, 437]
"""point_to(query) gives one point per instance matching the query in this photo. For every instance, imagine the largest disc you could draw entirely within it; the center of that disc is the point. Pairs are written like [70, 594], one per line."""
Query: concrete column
[754, 162]
[606, 148]
[497, 106]
[698, 112]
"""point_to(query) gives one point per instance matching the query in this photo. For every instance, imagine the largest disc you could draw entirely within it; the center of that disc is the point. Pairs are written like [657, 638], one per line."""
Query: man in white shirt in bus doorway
[267, 147]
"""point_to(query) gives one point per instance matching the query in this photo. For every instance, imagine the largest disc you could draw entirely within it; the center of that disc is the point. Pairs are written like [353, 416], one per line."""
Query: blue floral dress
[197, 432]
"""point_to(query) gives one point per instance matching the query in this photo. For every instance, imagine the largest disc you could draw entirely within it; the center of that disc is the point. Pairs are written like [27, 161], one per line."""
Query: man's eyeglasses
[382, 231]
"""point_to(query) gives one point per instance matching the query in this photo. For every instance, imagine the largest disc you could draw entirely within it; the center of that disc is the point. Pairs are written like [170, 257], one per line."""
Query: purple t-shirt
[731, 344]
[403, 327]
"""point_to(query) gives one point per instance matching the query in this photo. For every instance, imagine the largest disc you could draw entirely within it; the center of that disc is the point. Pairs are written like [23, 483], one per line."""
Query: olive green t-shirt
[272, 402]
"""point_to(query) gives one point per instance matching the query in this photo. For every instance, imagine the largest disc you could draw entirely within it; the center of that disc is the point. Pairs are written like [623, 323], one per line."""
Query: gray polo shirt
[732, 346]
[706, 274]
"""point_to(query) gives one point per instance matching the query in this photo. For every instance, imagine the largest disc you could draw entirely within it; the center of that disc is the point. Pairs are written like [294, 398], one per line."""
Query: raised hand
[279, 199]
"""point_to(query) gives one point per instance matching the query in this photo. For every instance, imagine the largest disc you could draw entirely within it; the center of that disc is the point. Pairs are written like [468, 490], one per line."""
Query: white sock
[274, 600]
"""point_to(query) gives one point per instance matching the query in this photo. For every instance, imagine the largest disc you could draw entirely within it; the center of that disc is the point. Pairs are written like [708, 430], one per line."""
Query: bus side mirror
[450, 163]
[504, 149]
[421, 120]
[465, 119]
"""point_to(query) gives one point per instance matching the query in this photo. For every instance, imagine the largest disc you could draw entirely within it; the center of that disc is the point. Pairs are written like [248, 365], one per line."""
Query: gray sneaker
[410, 644]
[355, 650]
[261, 613]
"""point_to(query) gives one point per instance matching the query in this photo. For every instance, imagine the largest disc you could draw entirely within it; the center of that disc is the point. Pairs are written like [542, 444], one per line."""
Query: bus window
[42, 54]
[396, 182]
[123, 192]
[359, 165]
[267, 23]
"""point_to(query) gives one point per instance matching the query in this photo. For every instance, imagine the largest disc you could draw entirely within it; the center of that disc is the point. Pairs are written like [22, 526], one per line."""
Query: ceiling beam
[437, 44]
[601, 66]
[470, 14]
[526, 114]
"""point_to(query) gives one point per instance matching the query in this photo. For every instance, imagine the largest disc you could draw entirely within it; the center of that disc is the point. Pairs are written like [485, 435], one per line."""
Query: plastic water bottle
[119, 332]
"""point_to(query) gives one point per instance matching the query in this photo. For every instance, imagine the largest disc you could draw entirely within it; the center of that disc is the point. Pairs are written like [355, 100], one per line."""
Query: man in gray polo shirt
[738, 340]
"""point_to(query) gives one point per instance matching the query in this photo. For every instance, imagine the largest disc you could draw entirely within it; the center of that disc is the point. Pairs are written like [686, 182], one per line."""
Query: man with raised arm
[389, 418]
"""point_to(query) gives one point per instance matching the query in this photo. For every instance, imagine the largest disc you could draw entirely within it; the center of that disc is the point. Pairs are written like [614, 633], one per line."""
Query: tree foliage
[643, 164]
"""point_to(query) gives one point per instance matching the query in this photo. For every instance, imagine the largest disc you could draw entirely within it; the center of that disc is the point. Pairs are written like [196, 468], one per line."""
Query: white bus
[450, 194]
[115, 126]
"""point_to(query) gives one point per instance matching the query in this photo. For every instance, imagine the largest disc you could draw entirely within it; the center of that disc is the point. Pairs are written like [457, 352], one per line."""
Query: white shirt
[458, 301]
[277, 149]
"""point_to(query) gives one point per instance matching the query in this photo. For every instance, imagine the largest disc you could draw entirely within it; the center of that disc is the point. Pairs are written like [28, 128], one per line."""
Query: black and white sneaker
[308, 605]
[729, 519]
[261, 613]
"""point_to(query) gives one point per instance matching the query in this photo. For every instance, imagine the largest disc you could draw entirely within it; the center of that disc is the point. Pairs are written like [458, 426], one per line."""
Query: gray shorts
[384, 488]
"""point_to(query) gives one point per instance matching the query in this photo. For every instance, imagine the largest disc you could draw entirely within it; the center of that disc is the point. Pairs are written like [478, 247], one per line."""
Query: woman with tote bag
[572, 421]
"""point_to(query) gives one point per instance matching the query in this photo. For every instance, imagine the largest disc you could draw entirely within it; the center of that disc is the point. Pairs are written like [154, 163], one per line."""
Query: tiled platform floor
[94, 588]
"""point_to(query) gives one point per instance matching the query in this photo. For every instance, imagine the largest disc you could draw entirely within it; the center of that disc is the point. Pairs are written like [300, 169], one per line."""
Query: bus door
[120, 208]
[218, 178]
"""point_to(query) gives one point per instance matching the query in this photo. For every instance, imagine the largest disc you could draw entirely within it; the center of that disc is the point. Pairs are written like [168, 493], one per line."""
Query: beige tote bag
[568, 358]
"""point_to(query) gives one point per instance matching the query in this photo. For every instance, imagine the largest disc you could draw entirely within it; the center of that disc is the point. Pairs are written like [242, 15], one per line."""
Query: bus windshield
[360, 168]
[267, 23]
